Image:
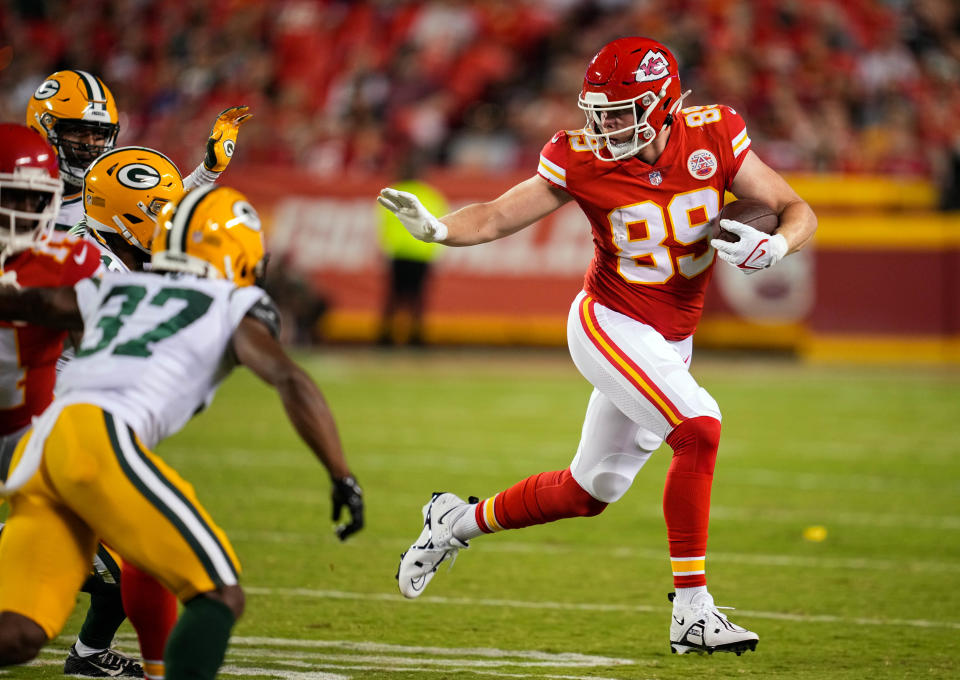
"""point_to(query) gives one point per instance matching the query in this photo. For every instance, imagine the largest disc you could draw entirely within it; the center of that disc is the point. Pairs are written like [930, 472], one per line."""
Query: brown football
[750, 211]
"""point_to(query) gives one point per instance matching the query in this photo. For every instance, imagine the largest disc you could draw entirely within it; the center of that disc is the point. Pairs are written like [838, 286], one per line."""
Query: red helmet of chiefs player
[30, 188]
[630, 92]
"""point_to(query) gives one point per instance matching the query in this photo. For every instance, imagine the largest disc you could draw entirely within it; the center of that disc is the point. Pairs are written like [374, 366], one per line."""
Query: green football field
[870, 454]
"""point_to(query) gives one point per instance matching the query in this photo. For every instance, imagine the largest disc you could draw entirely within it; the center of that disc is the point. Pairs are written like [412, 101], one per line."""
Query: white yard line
[813, 481]
[409, 662]
[798, 561]
[837, 518]
[801, 516]
[385, 667]
[591, 606]
[381, 657]
[229, 669]
[564, 657]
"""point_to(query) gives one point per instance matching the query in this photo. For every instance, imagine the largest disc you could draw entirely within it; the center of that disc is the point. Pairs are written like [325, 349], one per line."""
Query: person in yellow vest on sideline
[409, 263]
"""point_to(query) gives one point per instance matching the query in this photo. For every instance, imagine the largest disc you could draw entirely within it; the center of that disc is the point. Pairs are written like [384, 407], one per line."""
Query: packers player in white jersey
[123, 192]
[76, 112]
[155, 347]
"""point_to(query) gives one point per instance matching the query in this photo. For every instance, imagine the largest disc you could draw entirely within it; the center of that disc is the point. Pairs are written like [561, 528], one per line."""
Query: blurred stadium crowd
[337, 86]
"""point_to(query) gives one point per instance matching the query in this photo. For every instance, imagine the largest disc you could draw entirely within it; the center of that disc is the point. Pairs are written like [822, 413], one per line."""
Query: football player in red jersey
[30, 191]
[649, 175]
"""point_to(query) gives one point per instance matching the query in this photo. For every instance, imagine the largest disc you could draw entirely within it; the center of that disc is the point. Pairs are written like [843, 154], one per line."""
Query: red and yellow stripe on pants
[624, 365]
[635, 368]
[97, 480]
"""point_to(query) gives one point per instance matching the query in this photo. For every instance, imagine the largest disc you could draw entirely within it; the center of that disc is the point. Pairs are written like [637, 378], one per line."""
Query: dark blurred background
[852, 86]
[856, 101]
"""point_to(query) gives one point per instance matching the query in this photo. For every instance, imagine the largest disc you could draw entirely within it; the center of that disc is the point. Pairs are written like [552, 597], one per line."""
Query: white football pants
[642, 390]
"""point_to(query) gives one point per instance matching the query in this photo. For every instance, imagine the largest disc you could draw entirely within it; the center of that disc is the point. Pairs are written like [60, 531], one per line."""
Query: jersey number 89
[646, 259]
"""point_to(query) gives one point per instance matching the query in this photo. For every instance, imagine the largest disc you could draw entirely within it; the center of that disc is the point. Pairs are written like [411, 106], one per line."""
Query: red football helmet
[636, 78]
[30, 188]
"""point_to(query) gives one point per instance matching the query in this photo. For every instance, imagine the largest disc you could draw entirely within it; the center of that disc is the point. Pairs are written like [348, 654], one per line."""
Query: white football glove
[411, 213]
[754, 251]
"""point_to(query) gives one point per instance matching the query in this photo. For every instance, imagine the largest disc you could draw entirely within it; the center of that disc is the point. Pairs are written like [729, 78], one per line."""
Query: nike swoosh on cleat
[111, 672]
[444, 515]
[679, 621]
[417, 583]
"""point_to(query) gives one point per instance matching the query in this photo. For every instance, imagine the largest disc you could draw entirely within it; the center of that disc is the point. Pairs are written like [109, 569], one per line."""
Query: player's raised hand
[754, 251]
[347, 494]
[223, 138]
[411, 213]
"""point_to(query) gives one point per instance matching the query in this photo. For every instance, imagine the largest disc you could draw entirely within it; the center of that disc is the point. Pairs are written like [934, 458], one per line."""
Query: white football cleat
[434, 545]
[700, 627]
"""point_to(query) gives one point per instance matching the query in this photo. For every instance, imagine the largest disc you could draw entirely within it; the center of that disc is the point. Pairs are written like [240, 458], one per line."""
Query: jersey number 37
[194, 304]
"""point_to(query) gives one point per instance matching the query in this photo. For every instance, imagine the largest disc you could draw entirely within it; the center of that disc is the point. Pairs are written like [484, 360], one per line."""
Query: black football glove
[346, 492]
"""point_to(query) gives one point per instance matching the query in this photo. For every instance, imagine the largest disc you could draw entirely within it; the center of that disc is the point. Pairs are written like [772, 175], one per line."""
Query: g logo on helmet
[138, 176]
[246, 215]
[228, 147]
[47, 89]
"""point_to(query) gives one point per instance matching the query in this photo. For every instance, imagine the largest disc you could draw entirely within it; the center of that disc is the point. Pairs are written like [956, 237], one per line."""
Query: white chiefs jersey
[156, 347]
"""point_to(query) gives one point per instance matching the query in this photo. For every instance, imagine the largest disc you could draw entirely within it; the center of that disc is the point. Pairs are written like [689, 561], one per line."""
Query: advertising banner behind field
[518, 290]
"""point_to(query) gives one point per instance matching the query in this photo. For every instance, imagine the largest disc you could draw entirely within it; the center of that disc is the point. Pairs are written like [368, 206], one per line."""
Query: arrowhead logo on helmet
[654, 66]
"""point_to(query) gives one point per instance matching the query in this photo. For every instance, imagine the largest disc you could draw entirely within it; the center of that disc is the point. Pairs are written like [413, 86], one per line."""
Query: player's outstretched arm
[517, 208]
[55, 307]
[257, 349]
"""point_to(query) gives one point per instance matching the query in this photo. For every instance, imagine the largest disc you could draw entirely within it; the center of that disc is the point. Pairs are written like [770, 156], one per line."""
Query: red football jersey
[28, 354]
[652, 259]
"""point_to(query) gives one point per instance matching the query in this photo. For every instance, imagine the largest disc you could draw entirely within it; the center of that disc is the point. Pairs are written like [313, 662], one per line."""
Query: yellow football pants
[98, 481]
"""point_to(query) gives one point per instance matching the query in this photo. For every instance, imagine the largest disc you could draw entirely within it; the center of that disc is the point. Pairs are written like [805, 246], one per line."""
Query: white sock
[83, 650]
[466, 526]
[685, 596]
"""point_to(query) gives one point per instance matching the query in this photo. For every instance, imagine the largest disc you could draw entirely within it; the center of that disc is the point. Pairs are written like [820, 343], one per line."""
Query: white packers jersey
[155, 347]
[108, 258]
[108, 262]
[71, 211]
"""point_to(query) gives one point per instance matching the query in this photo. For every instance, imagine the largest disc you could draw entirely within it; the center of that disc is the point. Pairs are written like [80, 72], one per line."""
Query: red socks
[152, 610]
[686, 497]
[541, 498]
[550, 496]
